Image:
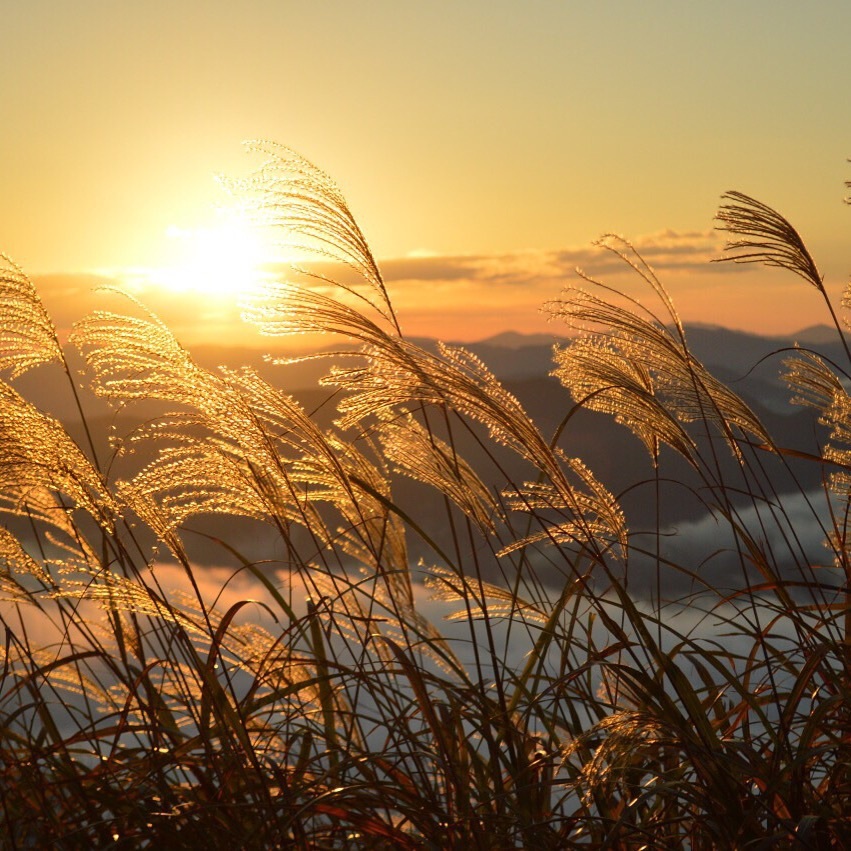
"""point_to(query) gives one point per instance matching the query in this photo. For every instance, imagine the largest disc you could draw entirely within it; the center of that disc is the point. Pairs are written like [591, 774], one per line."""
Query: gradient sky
[496, 138]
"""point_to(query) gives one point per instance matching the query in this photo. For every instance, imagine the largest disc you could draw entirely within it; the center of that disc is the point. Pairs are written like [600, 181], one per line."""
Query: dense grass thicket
[551, 708]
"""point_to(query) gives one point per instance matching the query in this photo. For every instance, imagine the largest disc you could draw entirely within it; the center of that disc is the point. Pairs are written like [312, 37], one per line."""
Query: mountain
[815, 335]
[750, 364]
[516, 340]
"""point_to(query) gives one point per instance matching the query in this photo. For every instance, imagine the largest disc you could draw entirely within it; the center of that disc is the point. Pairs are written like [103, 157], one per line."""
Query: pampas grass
[338, 711]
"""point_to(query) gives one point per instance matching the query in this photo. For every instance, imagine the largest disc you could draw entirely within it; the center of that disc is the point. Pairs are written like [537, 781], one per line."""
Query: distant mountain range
[512, 355]
[751, 364]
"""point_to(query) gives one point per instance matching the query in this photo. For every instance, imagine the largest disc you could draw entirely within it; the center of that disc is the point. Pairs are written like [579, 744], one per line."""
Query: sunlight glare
[224, 259]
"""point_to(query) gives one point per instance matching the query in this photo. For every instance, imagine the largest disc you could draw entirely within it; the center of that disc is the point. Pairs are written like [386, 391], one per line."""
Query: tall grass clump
[550, 707]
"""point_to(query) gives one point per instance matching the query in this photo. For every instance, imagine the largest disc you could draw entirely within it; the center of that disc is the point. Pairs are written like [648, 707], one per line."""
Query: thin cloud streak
[469, 297]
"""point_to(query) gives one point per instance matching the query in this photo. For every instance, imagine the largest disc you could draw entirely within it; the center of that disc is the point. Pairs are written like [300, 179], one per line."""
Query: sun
[223, 258]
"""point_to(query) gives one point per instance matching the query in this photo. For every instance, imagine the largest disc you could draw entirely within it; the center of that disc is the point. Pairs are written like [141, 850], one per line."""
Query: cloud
[792, 536]
[473, 296]
[432, 268]
[667, 249]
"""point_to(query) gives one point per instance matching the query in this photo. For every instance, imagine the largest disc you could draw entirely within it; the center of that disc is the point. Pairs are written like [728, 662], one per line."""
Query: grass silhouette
[335, 712]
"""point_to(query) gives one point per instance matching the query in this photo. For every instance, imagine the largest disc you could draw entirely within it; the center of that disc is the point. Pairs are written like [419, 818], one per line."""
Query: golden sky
[482, 145]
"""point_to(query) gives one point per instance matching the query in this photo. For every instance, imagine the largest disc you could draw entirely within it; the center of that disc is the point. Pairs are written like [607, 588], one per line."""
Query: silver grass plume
[253, 431]
[635, 368]
[27, 335]
[16, 567]
[359, 490]
[401, 376]
[398, 372]
[301, 200]
[627, 739]
[395, 373]
[766, 237]
[769, 238]
[136, 358]
[263, 456]
[601, 378]
[66, 678]
[585, 513]
[116, 593]
[423, 456]
[816, 385]
[37, 454]
[482, 599]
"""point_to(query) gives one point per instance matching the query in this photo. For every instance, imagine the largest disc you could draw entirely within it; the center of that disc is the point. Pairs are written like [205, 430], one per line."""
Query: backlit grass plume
[431, 624]
[312, 215]
[27, 336]
[762, 235]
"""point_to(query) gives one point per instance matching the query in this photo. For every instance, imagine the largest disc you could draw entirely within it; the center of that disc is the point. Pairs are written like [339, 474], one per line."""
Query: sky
[483, 146]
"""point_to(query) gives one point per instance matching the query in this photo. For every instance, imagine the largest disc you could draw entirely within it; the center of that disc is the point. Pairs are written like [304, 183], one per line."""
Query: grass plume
[147, 701]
